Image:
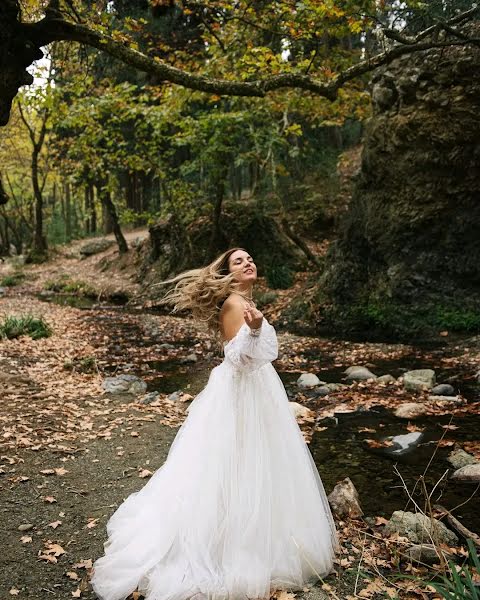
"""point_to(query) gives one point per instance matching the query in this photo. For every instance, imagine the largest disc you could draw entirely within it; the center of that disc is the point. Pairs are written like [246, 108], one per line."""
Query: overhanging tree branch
[54, 27]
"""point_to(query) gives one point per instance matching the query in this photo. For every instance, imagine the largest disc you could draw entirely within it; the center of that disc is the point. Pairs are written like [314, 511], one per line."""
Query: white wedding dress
[238, 507]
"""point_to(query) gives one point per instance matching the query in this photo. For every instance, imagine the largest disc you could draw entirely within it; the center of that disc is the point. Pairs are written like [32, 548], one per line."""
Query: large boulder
[469, 473]
[419, 528]
[358, 373]
[95, 247]
[458, 458]
[308, 380]
[407, 258]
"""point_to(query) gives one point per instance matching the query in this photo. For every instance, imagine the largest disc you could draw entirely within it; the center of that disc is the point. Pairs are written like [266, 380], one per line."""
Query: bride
[238, 508]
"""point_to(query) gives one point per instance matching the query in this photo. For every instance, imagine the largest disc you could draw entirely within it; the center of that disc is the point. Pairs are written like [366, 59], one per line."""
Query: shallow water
[340, 450]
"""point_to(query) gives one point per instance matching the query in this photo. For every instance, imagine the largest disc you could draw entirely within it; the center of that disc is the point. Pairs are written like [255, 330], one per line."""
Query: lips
[249, 271]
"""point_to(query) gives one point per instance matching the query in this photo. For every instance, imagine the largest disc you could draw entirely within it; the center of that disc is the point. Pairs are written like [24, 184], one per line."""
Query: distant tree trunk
[109, 209]
[68, 211]
[39, 241]
[93, 210]
[217, 212]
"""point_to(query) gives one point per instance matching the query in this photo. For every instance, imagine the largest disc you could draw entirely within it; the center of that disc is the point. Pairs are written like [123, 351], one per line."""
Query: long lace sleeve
[248, 352]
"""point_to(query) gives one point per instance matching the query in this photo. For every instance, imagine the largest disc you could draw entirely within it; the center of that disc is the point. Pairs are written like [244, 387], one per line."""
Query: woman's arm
[252, 341]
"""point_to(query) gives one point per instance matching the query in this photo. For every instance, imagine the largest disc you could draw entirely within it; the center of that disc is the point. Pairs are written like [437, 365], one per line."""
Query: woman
[238, 508]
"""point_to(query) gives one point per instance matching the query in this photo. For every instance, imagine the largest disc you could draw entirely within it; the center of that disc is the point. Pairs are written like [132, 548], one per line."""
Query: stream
[340, 450]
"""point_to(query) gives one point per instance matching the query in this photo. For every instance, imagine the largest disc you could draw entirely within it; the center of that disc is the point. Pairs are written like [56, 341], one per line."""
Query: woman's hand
[253, 317]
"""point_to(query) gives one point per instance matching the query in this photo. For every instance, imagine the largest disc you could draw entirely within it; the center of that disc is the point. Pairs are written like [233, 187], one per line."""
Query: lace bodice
[247, 352]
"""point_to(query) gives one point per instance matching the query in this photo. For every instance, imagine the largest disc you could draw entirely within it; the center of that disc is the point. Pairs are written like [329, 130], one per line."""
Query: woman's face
[241, 263]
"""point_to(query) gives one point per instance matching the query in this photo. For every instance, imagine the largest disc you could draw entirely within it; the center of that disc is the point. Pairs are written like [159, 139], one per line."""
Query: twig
[455, 523]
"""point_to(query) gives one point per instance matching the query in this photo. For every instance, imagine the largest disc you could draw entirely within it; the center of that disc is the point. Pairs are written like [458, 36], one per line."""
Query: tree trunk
[109, 208]
[217, 212]
[39, 240]
[68, 211]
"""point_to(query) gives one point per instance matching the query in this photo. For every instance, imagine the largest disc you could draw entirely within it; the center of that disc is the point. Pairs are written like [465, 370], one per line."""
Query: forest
[339, 143]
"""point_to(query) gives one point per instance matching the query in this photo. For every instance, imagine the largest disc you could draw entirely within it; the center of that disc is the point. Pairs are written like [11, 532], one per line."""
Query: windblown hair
[203, 290]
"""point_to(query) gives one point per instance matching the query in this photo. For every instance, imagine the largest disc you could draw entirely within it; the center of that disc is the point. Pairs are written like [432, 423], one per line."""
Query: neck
[246, 291]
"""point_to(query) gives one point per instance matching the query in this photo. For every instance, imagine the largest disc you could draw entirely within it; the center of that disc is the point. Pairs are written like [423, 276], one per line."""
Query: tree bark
[106, 200]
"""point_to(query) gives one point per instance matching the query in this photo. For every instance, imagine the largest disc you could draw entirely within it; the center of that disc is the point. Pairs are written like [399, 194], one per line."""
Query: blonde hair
[203, 290]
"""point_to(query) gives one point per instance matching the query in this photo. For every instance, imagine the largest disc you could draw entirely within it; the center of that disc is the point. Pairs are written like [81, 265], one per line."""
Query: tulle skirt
[236, 510]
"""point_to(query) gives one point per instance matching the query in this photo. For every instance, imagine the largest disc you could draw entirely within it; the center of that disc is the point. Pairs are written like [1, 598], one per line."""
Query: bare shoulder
[231, 316]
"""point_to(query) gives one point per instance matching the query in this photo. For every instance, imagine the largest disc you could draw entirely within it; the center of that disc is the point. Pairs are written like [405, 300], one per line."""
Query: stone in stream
[357, 373]
[427, 554]
[419, 528]
[470, 473]
[443, 389]
[446, 399]
[124, 384]
[386, 379]
[410, 410]
[459, 458]
[308, 380]
[402, 444]
[322, 390]
[190, 358]
[299, 411]
[149, 398]
[344, 500]
[419, 380]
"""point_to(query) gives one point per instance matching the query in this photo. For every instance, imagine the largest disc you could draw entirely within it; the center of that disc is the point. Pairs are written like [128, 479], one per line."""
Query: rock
[410, 410]
[468, 473]
[95, 246]
[322, 390]
[459, 458]
[174, 396]
[386, 379]
[149, 398]
[167, 346]
[446, 399]
[308, 380]
[402, 444]
[314, 593]
[419, 380]
[334, 387]
[419, 528]
[25, 526]
[190, 358]
[444, 389]
[359, 374]
[300, 411]
[344, 500]
[124, 384]
[3, 291]
[427, 554]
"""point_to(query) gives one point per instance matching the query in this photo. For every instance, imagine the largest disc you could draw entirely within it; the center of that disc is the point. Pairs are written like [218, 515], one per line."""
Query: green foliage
[65, 285]
[35, 327]
[461, 583]
[265, 298]
[13, 280]
[279, 276]
[401, 320]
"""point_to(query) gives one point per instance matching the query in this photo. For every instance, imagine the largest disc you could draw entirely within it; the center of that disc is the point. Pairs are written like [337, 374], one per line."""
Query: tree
[276, 27]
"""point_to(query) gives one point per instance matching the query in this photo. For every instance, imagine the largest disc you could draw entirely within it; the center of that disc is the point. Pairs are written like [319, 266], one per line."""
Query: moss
[65, 285]
[400, 320]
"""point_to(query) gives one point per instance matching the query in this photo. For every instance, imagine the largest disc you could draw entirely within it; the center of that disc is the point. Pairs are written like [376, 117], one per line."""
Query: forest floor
[71, 453]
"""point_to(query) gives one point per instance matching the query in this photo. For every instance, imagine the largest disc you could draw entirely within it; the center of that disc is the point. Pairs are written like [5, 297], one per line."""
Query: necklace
[248, 298]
